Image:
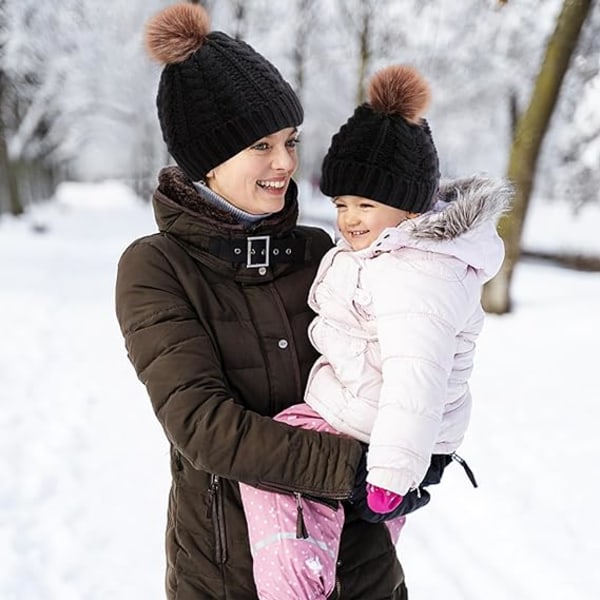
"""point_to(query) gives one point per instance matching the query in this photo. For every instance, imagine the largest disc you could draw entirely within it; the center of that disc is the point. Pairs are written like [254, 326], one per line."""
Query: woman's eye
[293, 142]
[260, 146]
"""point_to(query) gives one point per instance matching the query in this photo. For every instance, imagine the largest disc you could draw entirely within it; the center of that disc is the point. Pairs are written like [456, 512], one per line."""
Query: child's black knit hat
[385, 151]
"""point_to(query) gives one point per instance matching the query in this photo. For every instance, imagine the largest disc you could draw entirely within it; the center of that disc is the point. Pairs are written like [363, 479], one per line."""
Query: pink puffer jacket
[397, 325]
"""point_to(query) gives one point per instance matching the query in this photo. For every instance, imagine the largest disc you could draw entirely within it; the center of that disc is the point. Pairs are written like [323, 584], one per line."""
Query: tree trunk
[305, 19]
[305, 25]
[364, 53]
[359, 16]
[7, 167]
[527, 141]
[11, 200]
[239, 16]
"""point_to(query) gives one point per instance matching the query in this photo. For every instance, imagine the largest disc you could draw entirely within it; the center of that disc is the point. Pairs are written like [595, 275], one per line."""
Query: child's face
[361, 220]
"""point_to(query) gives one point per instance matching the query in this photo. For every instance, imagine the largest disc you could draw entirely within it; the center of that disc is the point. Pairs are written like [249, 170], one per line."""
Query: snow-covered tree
[571, 155]
[84, 88]
[529, 133]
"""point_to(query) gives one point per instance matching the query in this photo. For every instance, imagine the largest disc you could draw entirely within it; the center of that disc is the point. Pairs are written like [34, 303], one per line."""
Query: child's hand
[382, 501]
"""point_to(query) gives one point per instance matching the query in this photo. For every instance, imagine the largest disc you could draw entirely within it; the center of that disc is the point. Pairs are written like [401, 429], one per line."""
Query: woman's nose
[283, 159]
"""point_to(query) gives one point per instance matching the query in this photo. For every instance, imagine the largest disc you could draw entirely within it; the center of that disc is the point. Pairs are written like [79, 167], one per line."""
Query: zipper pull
[212, 490]
[301, 532]
[463, 463]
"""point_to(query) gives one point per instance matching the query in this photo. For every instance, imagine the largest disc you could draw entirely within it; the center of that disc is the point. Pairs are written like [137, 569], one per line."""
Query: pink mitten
[382, 501]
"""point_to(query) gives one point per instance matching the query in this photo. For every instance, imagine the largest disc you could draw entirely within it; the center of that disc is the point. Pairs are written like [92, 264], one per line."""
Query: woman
[213, 312]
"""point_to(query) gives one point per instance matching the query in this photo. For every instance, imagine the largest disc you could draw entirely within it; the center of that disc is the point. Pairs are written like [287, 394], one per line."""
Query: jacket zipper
[322, 497]
[301, 532]
[215, 513]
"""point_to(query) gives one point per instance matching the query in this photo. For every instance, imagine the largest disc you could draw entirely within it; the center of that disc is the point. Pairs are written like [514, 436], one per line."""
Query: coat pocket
[216, 513]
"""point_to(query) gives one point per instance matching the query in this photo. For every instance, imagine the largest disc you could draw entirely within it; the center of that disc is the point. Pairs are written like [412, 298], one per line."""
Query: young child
[398, 313]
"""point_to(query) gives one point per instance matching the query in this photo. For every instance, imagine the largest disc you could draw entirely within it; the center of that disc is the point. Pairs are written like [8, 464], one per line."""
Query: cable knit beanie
[216, 95]
[385, 151]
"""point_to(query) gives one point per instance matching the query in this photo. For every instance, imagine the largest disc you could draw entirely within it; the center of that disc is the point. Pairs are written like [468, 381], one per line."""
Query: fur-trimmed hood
[464, 204]
[461, 224]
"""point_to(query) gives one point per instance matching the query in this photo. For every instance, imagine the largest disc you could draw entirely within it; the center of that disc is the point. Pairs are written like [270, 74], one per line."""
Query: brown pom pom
[400, 90]
[175, 33]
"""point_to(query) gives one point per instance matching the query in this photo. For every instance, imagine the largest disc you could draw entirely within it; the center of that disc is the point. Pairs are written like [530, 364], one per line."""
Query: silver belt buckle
[252, 251]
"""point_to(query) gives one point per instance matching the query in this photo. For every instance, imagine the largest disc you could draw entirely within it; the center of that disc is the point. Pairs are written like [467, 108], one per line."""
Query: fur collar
[463, 204]
[180, 209]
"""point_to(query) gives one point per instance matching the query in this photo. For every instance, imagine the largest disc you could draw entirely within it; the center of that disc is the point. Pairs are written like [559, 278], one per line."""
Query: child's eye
[366, 205]
[260, 146]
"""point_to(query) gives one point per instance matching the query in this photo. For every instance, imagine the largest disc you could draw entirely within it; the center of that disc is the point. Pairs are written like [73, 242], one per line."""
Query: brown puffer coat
[222, 348]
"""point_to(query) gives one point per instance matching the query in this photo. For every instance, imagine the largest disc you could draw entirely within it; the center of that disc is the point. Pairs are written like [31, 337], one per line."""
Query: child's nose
[352, 218]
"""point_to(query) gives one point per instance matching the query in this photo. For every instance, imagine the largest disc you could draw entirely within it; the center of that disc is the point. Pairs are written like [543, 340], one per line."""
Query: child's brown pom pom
[176, 32]
[401, 90]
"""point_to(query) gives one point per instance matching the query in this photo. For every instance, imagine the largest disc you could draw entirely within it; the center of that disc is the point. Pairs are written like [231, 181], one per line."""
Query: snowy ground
[84, 466]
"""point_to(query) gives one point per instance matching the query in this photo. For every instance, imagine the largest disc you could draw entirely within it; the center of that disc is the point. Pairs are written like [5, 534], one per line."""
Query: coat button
[283, 344]
[262, 270]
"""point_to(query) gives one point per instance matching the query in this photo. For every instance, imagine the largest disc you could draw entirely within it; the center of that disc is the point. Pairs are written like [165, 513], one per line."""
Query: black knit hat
[217, 95]
[385, 151]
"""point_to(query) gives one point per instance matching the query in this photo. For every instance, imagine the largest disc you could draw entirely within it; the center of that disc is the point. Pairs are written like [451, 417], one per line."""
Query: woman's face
[256, 179]
[361, 220]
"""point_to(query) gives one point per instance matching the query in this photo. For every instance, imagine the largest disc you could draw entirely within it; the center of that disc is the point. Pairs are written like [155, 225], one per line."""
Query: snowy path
[83, 514]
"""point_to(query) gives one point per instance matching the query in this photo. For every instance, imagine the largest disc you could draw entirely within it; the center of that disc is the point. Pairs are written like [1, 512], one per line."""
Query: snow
[558, 227]
[84, 465]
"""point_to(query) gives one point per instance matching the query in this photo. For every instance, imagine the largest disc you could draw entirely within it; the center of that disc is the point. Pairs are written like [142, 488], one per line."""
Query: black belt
[259, 250]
